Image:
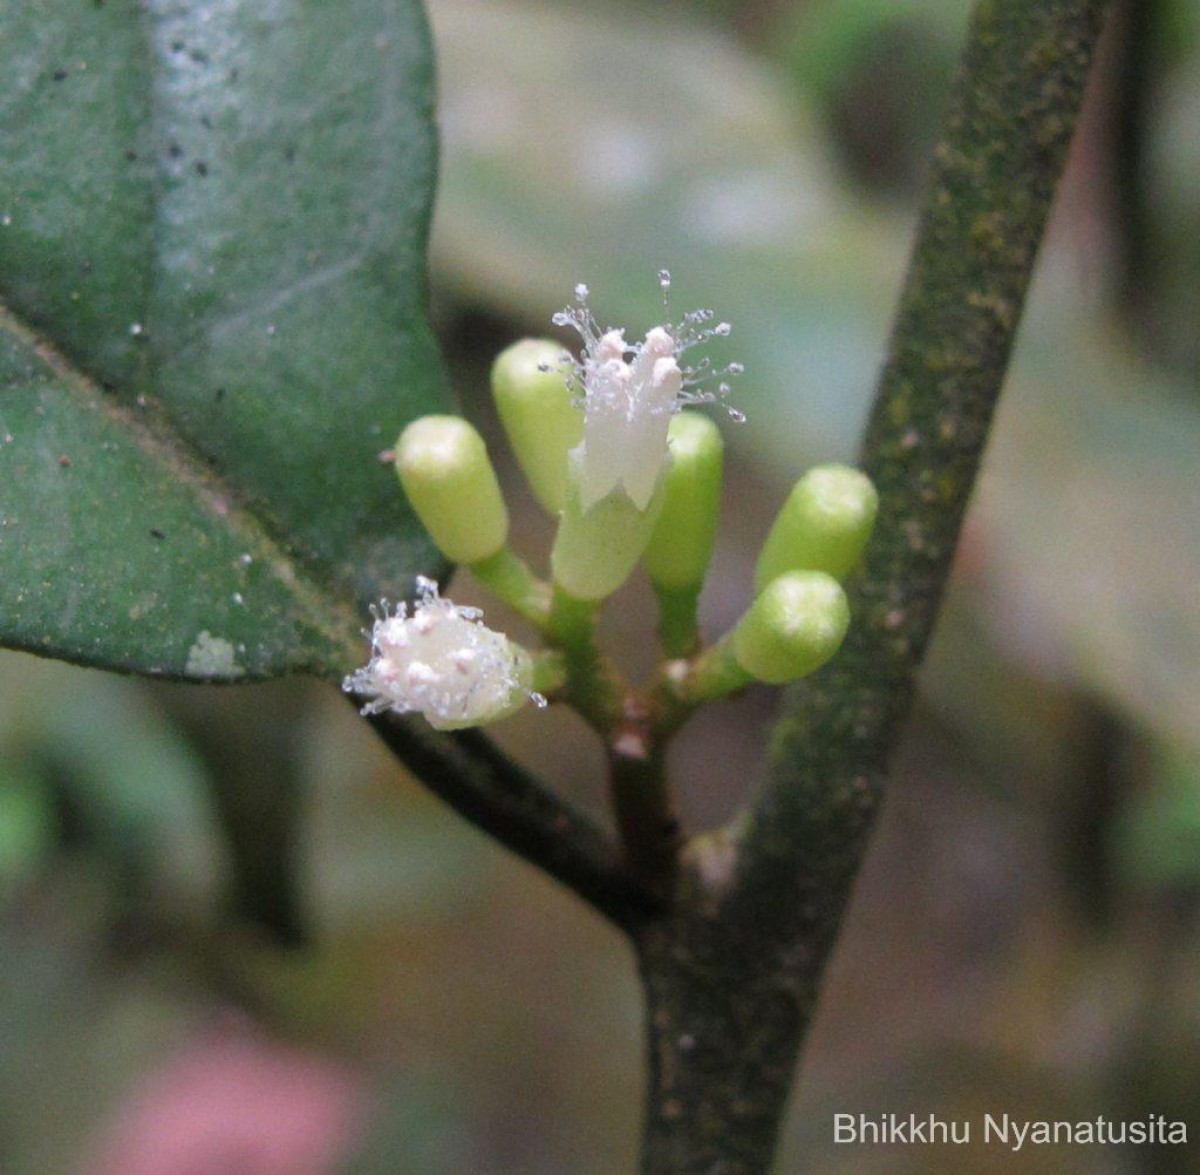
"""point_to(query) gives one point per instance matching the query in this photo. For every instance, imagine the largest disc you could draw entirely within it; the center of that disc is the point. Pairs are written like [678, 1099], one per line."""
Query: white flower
[441, 662]
[629, 393]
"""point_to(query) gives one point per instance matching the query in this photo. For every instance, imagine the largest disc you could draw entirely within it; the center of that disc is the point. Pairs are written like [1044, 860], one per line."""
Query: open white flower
[442, 662]
[629, 393]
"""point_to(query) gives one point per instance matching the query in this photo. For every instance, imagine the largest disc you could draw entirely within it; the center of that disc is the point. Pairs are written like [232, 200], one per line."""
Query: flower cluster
[631, 479]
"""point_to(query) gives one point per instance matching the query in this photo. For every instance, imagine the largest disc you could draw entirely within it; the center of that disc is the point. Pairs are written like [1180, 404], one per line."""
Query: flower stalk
[508, 577]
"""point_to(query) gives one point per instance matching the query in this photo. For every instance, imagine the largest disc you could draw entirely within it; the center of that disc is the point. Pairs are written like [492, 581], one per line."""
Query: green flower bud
[793, 628]
[445, 471]
[823, 526]
[682, 541]
[595, 550]
[537, 408]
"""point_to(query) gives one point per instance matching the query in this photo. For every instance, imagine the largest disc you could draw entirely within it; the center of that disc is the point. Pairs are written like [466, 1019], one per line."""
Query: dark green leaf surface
[212, 231]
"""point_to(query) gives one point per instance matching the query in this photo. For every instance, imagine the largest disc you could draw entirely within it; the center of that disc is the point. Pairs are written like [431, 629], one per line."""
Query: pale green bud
[538, 411]
[683, 538]
[824, 525]
[797, 623]
[595, 550]
[445, 470]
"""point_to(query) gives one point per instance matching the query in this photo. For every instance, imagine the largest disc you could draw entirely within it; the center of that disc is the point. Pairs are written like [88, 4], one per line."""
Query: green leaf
[213, 223]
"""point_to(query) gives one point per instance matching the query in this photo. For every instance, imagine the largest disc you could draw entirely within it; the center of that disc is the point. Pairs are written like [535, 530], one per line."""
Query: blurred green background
[234, 932]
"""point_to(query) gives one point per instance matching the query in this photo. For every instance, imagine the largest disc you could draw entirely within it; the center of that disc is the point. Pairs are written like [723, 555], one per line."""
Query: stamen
[627, 397]
[441, 662]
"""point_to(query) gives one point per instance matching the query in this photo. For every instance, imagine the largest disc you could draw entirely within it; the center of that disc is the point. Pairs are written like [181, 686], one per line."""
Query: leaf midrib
[149, 429]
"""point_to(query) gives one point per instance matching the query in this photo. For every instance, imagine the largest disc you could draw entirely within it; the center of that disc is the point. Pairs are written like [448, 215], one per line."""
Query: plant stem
[682, 686]
[778, 889]
[678, 631]
[593, 686]
[549, 671]
[715, 674]
[723, 1032]
[997, 167]
[482, 784]
[644, 805]
[508, 577]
